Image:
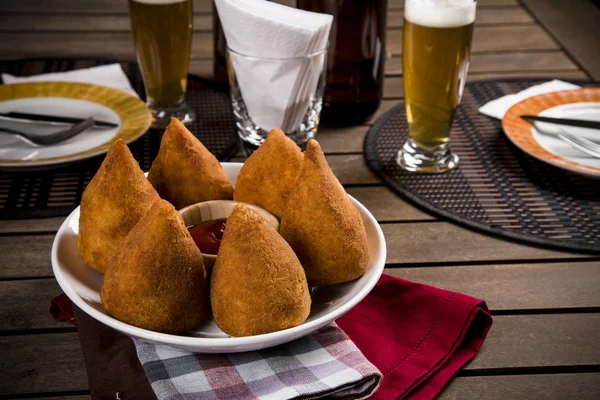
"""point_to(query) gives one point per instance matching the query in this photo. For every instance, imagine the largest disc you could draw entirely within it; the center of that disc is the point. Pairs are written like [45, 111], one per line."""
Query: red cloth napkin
[61, 309]
[418, 336]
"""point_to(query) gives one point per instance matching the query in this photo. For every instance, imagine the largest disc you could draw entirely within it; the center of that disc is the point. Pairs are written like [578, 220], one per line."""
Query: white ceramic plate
[69, 99]
[82, 285]
[547, 134]
[540, 141]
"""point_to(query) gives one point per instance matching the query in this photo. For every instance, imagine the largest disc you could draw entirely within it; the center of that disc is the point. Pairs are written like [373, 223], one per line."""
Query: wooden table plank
[407, 243]
[532, 387]
[574, 24]
[35, 225]
[202, 67]
[25, 256]
[118, 45]
[485, 16]
[84, 23]
[53, 362]
[395, 4]
[545, 63]
[533, 74]
[70, 397]
[119, 20]
[386, 205]
[494, 38]
[119, 6]
[517, 286]
[80, 6]
[342, 140]
[351, 169]
[551, 63]
[43, 363]
[557, 286]
[393, 86]
[444, 242]
[28, 305]
[505, 62]
[540, 341]
[384, 107]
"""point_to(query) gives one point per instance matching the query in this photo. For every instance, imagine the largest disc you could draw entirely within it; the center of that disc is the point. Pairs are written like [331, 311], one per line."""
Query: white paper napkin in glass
[110, 75]
[276, 94]
[497, 108]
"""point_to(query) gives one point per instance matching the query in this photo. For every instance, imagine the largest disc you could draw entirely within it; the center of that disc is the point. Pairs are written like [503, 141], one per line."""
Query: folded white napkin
[276, 94]
[497, 108]
[111, 75]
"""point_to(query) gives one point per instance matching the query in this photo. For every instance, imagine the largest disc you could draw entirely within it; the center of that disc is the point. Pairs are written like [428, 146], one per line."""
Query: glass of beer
[162, 32]
[436, 45]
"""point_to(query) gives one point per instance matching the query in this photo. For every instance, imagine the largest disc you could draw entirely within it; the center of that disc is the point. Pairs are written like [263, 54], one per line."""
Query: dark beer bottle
[356, 58]
[219, 51]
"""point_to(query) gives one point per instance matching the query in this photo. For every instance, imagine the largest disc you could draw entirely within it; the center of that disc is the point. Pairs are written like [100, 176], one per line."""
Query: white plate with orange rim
[540, 140]
[68, 99]
[82, 285]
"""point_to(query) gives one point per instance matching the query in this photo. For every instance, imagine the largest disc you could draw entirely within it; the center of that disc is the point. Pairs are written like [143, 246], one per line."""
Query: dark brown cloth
[114, 371]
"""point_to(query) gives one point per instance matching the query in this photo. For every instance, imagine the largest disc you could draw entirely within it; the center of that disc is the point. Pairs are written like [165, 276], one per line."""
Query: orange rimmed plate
[70, 99]
[540, 140]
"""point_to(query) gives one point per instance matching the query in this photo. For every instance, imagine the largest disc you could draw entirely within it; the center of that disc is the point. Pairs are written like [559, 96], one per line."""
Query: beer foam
[440, 13]
[159, 2]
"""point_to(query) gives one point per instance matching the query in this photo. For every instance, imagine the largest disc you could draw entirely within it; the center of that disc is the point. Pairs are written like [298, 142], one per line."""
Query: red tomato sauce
[208, 235]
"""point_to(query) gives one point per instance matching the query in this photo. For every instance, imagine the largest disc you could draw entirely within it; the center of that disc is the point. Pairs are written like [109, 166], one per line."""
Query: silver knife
[51, 120]
[581, 123]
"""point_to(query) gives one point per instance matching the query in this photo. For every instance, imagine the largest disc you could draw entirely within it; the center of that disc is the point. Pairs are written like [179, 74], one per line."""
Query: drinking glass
[285, 93]
[162, 32]
[436, 49]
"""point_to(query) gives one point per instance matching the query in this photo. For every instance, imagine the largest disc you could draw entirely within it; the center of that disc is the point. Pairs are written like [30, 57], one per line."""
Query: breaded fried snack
[267, 177]
[156, 278]
[185, 172]
[112, 203]
[322, 224]
[258, 285]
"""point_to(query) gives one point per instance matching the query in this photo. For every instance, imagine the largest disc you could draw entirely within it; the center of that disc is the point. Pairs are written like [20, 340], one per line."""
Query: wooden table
[545, 342]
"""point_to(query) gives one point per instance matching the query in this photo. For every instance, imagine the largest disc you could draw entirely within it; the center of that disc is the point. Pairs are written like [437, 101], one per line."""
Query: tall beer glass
[162, 32]
[436, 44]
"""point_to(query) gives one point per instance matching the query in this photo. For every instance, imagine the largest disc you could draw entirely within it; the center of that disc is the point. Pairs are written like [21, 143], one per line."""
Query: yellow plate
[70, 99]
[541, 141]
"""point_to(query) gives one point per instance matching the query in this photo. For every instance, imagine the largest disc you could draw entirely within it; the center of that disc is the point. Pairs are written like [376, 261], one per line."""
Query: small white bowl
[215, 209]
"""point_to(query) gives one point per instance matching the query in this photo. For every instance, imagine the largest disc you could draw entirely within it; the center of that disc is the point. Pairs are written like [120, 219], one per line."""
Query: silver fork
[583, 144]
[54, 137]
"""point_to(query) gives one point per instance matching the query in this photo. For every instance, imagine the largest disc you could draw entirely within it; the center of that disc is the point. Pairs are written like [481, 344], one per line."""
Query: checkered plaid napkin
[326, 363]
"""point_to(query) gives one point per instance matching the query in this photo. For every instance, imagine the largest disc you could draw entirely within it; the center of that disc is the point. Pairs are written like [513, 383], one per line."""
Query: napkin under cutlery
[110, 75]
[276, 94]
[497, 108]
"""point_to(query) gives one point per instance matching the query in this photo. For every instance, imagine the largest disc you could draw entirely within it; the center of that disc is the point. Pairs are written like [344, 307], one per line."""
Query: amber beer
[436, 44]
[162, 31]
[434, 79]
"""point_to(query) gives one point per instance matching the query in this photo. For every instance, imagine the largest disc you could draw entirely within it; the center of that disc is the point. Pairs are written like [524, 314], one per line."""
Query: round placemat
[496, 188]
[57, 191]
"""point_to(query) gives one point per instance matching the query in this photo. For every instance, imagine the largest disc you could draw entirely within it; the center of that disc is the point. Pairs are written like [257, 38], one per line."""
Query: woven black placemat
[56, 192]
[497, 188]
